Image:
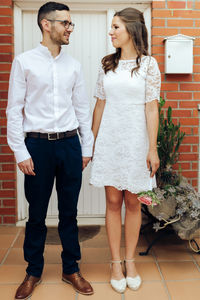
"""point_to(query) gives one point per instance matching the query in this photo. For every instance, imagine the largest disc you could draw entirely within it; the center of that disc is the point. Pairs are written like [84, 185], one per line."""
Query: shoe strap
[116, 261]
[129, 260]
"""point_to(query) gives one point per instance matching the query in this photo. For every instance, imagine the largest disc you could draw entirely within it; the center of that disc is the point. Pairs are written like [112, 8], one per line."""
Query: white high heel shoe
[132, 282]
[118, 285]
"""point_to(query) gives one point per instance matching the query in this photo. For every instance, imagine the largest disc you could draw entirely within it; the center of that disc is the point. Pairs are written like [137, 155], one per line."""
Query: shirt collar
[43, 49]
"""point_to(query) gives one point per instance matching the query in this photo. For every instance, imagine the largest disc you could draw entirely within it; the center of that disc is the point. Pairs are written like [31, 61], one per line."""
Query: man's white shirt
[46, 95]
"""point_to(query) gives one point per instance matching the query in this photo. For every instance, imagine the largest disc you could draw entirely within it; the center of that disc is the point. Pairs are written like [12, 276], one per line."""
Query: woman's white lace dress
[122, 143]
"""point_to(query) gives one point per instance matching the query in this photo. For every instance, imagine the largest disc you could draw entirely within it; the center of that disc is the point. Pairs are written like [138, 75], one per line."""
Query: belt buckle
[53, 138]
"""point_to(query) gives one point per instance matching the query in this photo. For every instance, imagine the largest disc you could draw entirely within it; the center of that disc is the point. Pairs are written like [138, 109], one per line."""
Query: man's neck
[53, 48]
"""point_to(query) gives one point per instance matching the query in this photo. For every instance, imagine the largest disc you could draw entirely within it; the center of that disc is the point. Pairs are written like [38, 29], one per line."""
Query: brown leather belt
[52, 136]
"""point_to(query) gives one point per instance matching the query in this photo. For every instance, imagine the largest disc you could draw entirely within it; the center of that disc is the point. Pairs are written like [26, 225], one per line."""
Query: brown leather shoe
[25, 290]
[79, 283]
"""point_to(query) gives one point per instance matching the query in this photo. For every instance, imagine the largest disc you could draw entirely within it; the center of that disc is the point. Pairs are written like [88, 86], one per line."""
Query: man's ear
[46, 25]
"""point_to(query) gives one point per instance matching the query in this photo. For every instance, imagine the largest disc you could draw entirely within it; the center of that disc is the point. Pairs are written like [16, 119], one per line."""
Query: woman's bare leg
[114, 200]
[132, 229]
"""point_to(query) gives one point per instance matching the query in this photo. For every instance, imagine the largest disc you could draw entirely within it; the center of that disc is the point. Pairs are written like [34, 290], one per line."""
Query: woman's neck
[128, 52]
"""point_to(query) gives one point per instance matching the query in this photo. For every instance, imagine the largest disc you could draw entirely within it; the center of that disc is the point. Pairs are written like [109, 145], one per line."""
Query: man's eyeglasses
[65, 23]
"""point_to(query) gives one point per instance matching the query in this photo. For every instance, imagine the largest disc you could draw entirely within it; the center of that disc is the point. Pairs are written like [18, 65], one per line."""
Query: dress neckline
[133, 59]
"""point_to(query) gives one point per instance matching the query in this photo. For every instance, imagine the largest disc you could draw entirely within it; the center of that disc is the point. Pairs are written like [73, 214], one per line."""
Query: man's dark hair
[48, 8]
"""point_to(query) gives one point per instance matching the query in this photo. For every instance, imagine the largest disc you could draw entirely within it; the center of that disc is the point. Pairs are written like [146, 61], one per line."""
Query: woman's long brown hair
[134, 22]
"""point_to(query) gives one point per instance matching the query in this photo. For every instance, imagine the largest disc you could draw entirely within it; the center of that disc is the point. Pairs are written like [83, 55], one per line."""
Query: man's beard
[56, 39]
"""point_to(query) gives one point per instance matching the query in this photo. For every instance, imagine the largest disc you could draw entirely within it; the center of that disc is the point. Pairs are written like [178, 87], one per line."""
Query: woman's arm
[152, 127]
[97, 115]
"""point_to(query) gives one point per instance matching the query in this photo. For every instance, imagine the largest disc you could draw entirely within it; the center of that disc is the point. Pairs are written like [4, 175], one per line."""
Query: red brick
[188, 157]
[169, 86]
[3, 131]
[158, 23]
[189, 121]
[187, 130]
[6, 30]
[3, 139]
[196, 96]
[4, 76]
[6, 20]
[195, 132]
[185, 148]
[158, 4]
[195, 113]
[175, 4]
[164, 31]
[7, 176]
[157, 13]
[5, 48]
[6, 2]
[188, 104]
[182, 113]
[190, 87]
[3, 95]
[196, 50]
[179, 95]
[184, 166]
[194, 148]
[8, 167]
[6, 158]
[180, 23]
[196, 69]
[189, 174]
[190, 140]
[5, 58]
[180, 77]
[7, 211]
[157, 50]
[9, 203]
[9, 220]
[9, 185]
[3, 122]
[156, 40]
[192, 14]
[6, 39]
[197, 77]
[195, 183]
[197, 4]
[173, 104]
[6, 149]
[6, 11]
[190, 32]
[194, 166]
[5, 67]
[7, 193]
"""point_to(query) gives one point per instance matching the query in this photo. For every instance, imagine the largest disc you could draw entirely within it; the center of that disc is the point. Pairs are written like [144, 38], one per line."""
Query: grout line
[194, 261]
[9, 249]
[183, 280]
[76, 296]
[123, 296]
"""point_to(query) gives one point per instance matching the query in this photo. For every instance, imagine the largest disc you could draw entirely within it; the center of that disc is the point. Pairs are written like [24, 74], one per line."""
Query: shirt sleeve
[153, 81]
[14, 111]
[82, 109]
[99, 89]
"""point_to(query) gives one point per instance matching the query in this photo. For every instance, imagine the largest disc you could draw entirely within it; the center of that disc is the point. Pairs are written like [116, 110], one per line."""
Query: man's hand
[85, 162]
[27, 167]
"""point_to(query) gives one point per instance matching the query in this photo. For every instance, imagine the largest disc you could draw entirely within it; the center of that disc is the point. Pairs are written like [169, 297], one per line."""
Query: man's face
[59, 33]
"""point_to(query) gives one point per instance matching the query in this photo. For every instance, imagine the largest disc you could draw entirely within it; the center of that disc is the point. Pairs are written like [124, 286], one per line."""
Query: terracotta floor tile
[172, 253]
[10, 229]
[138, 257]
[184, 290]
[6, 240]
[12, 273]
[7, 292]
[52, 273]
[59, 291]
[95, 255]
[102, 291]
[96, 272]
[52, 254]
[99, 241]
[179, 270]
[148, 290]
[148, 271]
[15, 257]
[2, 253]
[19, 241]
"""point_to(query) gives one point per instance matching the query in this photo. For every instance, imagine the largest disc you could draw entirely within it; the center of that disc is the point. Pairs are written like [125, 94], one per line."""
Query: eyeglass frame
[65, 23]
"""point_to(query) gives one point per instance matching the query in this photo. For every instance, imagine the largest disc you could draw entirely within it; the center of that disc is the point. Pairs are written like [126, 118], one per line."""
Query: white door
[88, 43]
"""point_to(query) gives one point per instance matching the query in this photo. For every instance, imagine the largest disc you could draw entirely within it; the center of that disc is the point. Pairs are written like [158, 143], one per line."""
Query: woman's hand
[153, 161]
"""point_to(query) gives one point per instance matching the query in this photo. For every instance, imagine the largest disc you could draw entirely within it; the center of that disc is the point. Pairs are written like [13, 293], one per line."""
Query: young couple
[48, 103]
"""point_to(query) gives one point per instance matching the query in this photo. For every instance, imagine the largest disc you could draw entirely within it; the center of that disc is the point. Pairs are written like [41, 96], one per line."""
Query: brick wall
[181, 92]
[7, 164]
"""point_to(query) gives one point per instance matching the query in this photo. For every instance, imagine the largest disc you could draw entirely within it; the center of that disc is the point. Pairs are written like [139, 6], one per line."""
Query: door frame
[108, 6]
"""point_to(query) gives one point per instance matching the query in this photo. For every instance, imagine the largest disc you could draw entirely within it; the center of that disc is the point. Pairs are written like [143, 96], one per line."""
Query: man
[47, 102]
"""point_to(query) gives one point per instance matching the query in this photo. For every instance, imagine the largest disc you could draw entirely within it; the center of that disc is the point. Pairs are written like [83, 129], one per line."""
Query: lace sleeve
[153, 81]
[99, 89]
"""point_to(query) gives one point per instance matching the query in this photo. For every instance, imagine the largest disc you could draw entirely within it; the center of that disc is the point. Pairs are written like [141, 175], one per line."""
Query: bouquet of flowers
[148, 198]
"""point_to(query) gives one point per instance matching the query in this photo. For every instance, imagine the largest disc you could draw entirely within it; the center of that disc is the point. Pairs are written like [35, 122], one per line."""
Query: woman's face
[119, 35]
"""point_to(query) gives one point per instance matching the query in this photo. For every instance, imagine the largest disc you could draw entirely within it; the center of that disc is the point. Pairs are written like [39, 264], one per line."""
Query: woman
[125, 125]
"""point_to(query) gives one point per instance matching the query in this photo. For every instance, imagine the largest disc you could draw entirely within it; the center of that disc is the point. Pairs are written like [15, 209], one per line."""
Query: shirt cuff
[22, 155]
[87, 150]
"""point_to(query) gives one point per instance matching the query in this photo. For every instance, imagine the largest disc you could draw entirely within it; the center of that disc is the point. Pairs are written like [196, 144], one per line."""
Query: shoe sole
[37, 283]
[69, 282]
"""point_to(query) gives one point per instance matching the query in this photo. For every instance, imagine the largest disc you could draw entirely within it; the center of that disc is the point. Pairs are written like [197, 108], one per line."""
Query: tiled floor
[171, 271]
